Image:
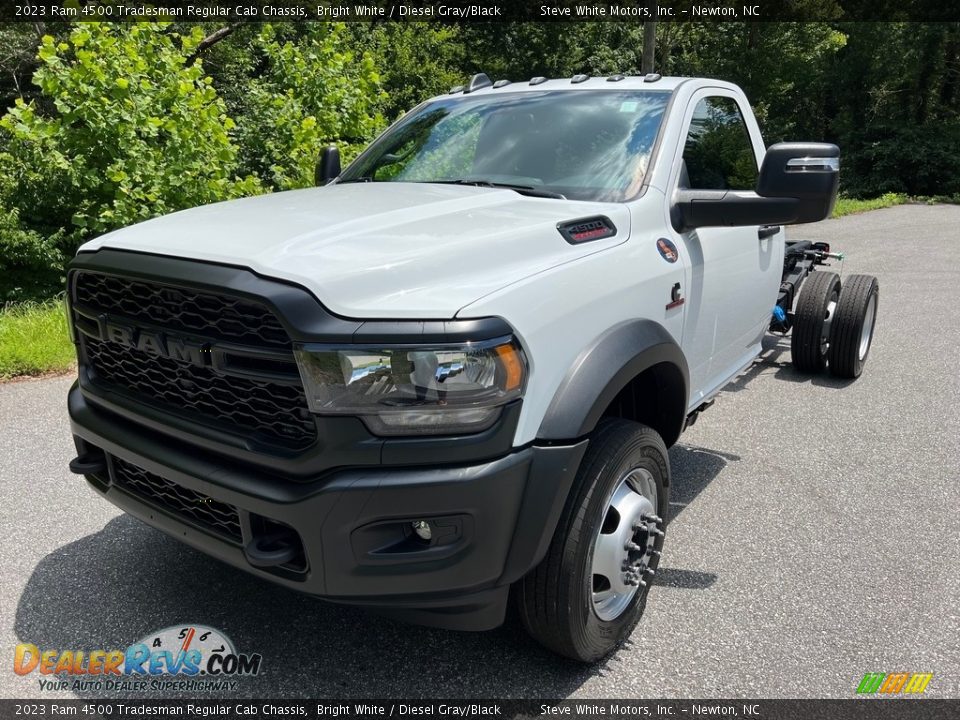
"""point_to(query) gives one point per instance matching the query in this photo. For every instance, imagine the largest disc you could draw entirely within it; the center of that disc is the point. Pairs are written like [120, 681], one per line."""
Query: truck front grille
[219, 317]
[187, 505]
[264, 403]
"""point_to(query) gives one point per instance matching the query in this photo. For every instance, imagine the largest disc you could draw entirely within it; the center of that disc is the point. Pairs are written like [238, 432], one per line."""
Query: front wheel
[590, 590]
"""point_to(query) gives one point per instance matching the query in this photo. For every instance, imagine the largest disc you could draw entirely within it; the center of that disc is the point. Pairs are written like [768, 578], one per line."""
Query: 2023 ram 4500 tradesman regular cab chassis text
[456, 368]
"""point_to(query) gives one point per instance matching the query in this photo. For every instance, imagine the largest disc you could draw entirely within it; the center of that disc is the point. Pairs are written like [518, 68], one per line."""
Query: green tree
[896, 108]
[313, 91]
[134, 131]
[417, 60]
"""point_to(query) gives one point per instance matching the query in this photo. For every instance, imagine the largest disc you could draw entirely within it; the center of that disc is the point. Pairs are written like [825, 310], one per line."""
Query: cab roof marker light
[615, 78]
[576, 79]
[501, 83]
[652, 77]
[478, 82]
[457, 88]
[538, 80]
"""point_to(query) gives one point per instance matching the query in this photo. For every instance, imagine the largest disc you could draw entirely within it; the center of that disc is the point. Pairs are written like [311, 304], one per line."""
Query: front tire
[588, 593]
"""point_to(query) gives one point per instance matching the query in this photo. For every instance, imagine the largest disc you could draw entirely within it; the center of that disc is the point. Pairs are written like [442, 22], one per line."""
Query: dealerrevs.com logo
[179, 658]
[894, 683]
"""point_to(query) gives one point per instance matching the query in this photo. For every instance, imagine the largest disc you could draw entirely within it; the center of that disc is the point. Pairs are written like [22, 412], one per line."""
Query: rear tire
[585, 598]
[811, 321]
[851, 333]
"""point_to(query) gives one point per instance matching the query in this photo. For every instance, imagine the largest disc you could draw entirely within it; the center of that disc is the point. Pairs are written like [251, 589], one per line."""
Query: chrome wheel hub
[625, 544]
[827, 323]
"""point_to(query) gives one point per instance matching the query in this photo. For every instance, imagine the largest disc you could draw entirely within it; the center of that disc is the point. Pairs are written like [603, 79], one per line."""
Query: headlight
[414, 390]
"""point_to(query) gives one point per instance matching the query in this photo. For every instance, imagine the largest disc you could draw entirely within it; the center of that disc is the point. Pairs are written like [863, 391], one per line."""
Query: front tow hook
[89, 465]
[272, 549]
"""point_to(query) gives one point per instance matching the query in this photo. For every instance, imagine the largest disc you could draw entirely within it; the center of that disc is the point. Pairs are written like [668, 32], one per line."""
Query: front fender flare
[604, 369]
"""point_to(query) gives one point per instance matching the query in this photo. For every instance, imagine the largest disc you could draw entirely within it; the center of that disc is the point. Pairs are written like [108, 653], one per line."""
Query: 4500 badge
[190, 651]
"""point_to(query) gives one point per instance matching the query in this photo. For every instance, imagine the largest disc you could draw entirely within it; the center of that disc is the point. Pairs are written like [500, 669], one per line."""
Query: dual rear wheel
[833, 324]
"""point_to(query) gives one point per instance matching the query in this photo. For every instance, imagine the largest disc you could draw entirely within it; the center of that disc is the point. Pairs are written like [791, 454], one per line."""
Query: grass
[34, 340]
[850, 206]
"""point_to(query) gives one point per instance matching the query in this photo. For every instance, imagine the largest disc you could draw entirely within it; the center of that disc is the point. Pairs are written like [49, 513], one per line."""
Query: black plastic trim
[603, 370]
[509, 508]
[342, 441]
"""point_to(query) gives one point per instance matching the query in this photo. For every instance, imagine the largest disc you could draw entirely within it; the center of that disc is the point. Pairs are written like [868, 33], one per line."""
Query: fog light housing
[422, 529]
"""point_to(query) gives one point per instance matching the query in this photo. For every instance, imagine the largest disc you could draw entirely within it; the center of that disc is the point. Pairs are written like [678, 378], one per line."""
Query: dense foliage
[106, 125]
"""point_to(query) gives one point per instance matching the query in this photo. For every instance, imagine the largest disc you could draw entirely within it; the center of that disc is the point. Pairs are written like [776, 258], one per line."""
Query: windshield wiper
[522, 189]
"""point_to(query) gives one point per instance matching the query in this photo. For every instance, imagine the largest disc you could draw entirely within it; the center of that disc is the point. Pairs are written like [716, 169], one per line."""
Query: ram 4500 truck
[455, 368]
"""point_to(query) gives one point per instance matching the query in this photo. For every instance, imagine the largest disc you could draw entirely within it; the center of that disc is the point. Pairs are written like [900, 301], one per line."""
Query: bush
[311, 93]
[137, 131]
[851, 206]
[31, 266]
[30, 263]
[912, 160]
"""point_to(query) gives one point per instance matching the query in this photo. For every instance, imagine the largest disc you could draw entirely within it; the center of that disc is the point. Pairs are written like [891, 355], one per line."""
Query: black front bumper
[492, 520]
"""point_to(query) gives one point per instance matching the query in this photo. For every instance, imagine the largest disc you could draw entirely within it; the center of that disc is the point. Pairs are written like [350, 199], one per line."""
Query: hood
[380, 250]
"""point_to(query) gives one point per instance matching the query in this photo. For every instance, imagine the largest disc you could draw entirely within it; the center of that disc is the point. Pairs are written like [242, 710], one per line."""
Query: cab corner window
[718, 154]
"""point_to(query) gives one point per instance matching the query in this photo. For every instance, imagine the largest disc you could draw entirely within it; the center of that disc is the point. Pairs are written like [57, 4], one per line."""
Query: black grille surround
[190, 506]
[264, 404]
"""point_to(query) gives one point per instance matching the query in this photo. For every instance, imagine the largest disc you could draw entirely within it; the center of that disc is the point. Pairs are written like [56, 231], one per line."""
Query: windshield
[583, 145]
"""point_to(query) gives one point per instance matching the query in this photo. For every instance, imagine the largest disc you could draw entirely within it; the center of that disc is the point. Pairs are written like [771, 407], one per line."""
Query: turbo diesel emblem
[156, 343]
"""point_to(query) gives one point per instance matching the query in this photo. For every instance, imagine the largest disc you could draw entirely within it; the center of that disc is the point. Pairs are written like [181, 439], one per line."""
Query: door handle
[766, 231]
[676, 297]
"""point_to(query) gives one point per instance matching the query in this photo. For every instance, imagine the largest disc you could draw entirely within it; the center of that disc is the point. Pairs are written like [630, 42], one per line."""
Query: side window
[718, 154]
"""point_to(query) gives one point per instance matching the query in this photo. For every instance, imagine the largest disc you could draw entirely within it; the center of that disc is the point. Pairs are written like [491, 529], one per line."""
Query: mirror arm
[727, 208]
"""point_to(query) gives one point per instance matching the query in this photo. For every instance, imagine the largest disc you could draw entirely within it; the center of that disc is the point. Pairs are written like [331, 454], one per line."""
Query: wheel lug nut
[652, 518]
[632, 546]
[649, 571]
[657, 553]
[657, 532]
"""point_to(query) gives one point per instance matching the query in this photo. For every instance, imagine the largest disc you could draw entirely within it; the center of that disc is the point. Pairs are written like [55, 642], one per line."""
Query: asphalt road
[815, 536]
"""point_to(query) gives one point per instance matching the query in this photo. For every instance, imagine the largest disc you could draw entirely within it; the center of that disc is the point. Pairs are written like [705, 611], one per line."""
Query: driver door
[732, 283]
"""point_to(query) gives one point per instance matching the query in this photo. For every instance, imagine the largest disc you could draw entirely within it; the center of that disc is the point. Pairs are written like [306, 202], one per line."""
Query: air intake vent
[587, 229]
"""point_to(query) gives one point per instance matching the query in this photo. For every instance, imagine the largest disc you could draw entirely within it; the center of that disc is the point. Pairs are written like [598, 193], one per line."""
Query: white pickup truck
[455, 368]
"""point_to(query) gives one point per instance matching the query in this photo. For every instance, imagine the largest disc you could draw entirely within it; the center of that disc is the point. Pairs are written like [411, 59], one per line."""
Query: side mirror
[797, 184]
[328, 167]
[808, 172]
